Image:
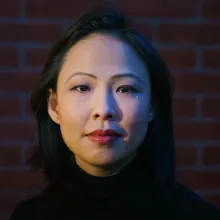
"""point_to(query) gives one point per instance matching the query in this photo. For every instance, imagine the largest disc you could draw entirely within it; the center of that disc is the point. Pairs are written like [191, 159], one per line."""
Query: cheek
[136, 123]
[70, 115]
[136, 111]
[71, 109]
[135, 116]
[71, 125]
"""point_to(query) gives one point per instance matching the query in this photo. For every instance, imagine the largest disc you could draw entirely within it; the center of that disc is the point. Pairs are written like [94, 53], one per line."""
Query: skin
[102, 102]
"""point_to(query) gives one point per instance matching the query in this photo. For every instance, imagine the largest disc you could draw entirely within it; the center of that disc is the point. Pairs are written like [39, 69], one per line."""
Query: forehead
[103, 55]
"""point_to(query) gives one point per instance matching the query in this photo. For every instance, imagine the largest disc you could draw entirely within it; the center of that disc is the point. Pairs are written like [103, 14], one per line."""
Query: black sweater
[123, 196]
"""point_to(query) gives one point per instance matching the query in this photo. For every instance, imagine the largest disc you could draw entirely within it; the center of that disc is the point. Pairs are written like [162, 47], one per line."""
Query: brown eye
[80, 88]
[127, 89]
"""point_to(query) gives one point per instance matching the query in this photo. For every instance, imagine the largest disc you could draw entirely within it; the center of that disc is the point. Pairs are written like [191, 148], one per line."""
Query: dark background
[187, 35]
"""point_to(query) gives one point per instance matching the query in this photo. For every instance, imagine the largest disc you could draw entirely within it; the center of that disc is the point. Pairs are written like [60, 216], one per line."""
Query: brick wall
[187, 34]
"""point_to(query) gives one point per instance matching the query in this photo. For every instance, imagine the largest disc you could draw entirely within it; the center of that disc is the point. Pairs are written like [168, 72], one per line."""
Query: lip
[102, 139]
[108, 132]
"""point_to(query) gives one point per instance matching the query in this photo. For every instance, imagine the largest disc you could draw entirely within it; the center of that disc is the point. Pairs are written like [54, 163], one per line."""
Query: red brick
[197, 83]
[184, 107]
[214, 199]
[157, 8]
[186, 155]
[10, 155]
[197, 131]
[66, 8]
[30, 32]
[198, 180]
[178, 58]
[189, 33]
[211, 155]
[18, 82]
[11, 106]
[8, 56]
[211, 58]
[21, 180]
[17, 130]
[10, 8]
[36, 57]
[211, 107]
[211, 8]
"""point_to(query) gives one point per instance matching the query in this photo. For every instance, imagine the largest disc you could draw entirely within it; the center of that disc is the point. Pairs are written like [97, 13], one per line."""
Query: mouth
[103, 139]
[100, 132]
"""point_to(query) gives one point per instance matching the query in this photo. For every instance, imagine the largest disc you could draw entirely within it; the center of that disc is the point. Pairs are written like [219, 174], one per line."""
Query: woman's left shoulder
[187, 203]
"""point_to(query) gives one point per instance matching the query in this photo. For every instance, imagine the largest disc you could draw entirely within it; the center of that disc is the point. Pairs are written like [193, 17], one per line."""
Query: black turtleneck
[124, 194]
[127, 195]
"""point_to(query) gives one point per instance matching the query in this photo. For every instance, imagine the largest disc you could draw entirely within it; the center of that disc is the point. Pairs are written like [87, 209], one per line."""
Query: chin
[105, 160]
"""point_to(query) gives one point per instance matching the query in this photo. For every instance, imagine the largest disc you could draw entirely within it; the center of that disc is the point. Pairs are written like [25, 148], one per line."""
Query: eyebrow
[117, 76]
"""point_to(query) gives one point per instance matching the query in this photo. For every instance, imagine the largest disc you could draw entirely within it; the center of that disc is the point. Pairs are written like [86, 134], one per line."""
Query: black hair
[156, 153]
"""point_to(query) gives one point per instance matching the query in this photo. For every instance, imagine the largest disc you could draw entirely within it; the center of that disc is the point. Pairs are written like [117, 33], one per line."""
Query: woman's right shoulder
[33, 208]
[25, 210]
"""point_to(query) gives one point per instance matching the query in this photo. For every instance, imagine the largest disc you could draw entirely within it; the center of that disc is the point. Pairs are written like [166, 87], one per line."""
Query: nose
[104, 107]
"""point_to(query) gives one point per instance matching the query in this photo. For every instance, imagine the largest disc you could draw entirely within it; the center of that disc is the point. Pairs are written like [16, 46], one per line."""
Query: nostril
[104, 116]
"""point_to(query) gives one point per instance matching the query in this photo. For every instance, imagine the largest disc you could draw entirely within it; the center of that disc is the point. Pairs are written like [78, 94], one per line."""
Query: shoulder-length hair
[156, 153]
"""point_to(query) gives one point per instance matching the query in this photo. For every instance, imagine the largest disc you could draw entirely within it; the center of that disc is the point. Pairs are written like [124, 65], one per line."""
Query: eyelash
[125, 86]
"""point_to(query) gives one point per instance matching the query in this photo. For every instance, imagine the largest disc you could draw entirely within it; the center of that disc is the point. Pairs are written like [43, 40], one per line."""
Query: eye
[127, 89]
[124, 89]
[80, 88]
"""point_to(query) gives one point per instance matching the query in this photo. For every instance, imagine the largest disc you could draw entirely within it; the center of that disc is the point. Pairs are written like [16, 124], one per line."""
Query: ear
[151, 114]
[52, 107]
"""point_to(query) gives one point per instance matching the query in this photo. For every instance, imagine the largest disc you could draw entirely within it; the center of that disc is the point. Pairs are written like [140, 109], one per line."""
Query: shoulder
[34, 208]
[186, 203]
[24, 210]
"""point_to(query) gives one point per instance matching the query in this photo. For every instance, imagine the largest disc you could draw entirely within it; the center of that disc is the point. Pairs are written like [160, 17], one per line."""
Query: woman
[105, 136]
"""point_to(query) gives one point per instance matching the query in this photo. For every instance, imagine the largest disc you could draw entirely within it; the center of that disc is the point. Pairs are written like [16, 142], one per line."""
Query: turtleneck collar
[75, 181]
[130, 188]
[110, 186]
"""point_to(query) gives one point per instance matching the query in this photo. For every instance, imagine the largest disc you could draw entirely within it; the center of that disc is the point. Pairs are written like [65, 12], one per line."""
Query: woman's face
[104, 85]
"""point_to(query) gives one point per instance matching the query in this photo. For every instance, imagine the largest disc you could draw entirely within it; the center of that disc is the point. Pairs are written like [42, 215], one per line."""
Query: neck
[101, 171]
